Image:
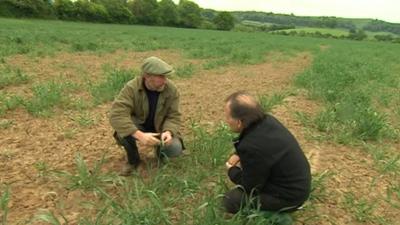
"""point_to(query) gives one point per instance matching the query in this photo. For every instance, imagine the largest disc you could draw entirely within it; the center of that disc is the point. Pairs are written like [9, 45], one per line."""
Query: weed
[107, 90]
[79, 104]
[9, 102]
[393, 194]
[185, 71]
[213, 148]
[213, 64]
[361, 208]
[87, 179]
[268, 102]
[42, 168]
[304, 119]
[45, 97]
[4, 200]
[49, 217]
[85, 119]
[10, 76]
[70, 133]
[318, 186]
[5, 124]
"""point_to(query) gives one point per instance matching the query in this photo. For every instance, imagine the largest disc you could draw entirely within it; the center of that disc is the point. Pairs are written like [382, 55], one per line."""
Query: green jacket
[131, 108]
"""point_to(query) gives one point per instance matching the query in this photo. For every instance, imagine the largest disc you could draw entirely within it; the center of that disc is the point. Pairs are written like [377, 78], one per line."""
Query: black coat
[272, 162]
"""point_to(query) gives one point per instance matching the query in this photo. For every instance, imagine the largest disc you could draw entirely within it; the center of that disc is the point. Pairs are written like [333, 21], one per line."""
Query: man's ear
[240, 124]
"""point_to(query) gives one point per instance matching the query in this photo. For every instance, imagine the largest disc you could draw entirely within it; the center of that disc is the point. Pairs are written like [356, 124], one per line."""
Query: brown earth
[56, 140]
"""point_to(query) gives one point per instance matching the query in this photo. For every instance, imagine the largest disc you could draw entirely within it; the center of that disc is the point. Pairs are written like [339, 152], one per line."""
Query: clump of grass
[87, 179]
[268, 102]
[5, 124]
[9, 102]
[213, 149]
[85, 119]
[393, 195]
[318, 186]
[362, 209]
[79, 104]
[9, 76]
[185, 71]
[70, 133]
[80, 47]
[50, 218]
[4, 200]
[356, 91]
[45, 97]
[215, 63]
[357, 122]
[115, 80]
[42, 168]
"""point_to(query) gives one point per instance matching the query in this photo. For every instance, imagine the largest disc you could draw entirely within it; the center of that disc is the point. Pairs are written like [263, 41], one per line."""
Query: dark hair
[245, 108]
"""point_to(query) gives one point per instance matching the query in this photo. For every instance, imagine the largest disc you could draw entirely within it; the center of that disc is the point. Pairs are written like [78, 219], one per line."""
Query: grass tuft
[115, 80]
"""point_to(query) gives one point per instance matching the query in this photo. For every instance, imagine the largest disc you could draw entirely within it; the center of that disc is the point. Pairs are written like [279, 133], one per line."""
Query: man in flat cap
[147, 111]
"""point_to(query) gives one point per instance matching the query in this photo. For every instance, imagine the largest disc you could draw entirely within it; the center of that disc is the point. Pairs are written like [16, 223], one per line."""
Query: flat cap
[156, 66]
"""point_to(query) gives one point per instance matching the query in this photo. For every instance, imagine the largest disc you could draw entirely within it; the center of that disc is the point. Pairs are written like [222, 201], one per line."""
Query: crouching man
[147, 111]
[269, 166]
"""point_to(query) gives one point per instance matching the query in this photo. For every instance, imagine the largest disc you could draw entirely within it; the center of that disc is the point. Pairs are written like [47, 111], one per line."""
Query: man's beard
[152, 88]
[160, 89]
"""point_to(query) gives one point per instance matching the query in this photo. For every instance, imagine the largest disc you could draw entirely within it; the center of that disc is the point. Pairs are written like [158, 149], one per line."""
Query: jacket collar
[248, 129]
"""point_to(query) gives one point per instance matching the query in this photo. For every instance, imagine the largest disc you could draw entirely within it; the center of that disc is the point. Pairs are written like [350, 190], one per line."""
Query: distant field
[59, 162]
[338, 32]
[335, 32]
[359, 23]
[255, 23]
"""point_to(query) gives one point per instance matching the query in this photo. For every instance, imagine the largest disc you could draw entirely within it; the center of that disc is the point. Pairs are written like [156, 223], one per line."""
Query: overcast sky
[388, 10]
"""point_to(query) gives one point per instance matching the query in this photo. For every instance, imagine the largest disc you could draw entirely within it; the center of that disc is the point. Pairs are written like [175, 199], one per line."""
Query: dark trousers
[132, 152]
[236, 199]
[129, 144]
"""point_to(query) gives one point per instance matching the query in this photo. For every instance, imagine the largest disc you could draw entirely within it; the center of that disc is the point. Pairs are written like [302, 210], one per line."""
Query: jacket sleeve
[172, 120]
[121, 112]
[256, 169]
[235, 175]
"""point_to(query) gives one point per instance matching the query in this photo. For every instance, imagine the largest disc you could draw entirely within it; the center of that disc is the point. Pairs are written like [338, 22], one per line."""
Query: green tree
[26, 8]
[357, 35]
[168, 12]
[208, 14]
[117, 10]
[189, 13]
[145, 11]
[89, 11]
[224, 21]
[382, 37]
[65, 9]
[330, 22]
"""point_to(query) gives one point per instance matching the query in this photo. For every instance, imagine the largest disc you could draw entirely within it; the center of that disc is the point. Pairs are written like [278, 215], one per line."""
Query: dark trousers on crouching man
[237, 199]
[132, 152]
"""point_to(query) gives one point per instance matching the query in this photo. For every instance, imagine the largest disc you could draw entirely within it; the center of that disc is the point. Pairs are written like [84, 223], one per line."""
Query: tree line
[186, 14]
[318, 22]
[147, 12]
[292, 20]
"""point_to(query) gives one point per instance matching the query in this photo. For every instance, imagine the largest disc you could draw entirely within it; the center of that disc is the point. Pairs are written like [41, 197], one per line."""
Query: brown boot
[127, 169]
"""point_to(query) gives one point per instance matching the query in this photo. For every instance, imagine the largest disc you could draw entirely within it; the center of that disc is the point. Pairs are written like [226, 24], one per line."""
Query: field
[59, 162]
[334, 32]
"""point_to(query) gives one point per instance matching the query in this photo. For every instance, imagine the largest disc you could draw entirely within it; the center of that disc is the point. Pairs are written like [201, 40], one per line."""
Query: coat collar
[248, 129]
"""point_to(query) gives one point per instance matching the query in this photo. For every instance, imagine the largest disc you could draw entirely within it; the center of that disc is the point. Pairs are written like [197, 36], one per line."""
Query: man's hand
[166, 137]
[234, 160]
[148, 139]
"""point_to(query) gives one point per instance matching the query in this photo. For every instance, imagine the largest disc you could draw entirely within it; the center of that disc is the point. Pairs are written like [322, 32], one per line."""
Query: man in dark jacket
[269, 166]
[147, 111]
